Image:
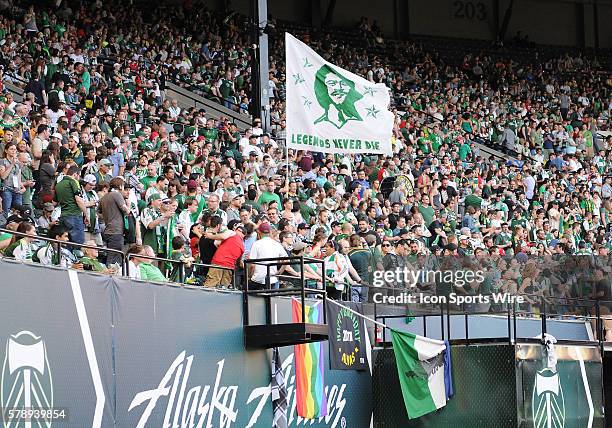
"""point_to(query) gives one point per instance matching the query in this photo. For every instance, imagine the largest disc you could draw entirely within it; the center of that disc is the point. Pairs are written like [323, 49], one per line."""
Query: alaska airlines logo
[215, 406]
[26, 380]
[548, 404]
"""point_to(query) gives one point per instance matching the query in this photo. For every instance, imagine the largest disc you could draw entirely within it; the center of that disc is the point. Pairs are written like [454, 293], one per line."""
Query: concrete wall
[555, 22]
[605, 21]
[454, 18]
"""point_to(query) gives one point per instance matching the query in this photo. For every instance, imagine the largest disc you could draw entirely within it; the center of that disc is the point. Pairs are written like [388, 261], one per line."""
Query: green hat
[154, 197]
[140, 134]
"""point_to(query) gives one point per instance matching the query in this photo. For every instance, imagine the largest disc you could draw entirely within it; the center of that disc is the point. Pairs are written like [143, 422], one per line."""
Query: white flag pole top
[332, 110]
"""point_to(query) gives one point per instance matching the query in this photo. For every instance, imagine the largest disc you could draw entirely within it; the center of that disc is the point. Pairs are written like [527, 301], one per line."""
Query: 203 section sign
[216, 405]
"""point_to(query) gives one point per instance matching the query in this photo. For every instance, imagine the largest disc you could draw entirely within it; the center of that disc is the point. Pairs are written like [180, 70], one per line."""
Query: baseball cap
[154, 197]
[264, 228]
[48, 206]
[105, 161]
[90, 178]
[299, 246]
[303, 226]
[56, 135]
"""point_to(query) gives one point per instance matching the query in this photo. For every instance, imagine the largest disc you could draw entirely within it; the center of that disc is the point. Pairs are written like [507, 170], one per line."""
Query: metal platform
[264, 331]
[273, 335]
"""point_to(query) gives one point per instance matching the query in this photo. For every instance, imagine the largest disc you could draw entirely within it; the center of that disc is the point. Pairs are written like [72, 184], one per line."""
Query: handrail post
[598, 323]
[442, 320]
[384, 338]
[303, 290]
[467, 326]
[543, 316]
[245, 295]
[514, 320]
[181, 272]
[509, 328]
[448, 320]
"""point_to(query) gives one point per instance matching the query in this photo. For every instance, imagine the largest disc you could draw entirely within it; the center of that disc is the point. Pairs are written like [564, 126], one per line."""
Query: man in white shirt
[529, 184]
[265, 248]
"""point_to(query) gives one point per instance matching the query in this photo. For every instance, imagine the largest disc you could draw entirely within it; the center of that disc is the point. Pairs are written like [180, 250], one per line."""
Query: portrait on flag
[332, 110]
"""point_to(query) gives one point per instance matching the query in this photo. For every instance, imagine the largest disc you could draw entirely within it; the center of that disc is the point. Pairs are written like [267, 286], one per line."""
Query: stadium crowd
[97, 154]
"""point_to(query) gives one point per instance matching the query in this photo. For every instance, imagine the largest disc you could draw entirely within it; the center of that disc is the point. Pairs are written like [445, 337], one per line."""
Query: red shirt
[194, 245]
[229, 252]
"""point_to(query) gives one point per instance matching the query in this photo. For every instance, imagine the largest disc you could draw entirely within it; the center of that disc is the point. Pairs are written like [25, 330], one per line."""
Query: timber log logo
[547, 403]
[26, 380]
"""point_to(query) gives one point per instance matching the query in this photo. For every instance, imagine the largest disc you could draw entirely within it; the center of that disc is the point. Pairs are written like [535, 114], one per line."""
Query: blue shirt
[117, 159]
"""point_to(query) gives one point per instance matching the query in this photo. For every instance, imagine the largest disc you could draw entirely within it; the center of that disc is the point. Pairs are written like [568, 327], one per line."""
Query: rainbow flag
[311, 401]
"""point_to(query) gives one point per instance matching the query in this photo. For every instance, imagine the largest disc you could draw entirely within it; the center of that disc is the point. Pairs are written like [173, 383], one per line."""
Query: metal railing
[445, 311]
[268, 291]
[61, 244]
[180, 267]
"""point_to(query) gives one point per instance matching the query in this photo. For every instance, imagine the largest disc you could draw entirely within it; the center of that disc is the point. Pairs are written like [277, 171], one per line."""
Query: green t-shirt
[210, 134]
[150, 272]
[147, 181]
[65, 193]
[464, 151]
[267, 197]
[225, 88]
[427, 213]
[86, 80]
[94, 263]
[473, 200]
[360, 259]
[436, 142]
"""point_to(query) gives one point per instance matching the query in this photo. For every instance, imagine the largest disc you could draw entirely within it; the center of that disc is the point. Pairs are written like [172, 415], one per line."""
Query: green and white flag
[423, 372]
[332, 110]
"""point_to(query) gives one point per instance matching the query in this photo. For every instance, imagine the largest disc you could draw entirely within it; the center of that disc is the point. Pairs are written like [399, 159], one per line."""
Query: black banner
[346, 338]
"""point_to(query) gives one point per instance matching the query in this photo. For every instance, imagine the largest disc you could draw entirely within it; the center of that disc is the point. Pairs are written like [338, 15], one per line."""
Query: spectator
[114, 210]
[11, 179]
[227, 255]
[74, 210]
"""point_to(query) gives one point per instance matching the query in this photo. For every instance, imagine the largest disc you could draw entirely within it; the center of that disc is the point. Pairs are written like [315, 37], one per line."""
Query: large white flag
[333, 110]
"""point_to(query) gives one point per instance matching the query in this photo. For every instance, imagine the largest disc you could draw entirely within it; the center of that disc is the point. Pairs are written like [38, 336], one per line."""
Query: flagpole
[287, 179]
[358, 314]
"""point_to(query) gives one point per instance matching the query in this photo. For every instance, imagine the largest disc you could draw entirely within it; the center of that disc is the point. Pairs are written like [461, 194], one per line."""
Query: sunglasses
[386, 245]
